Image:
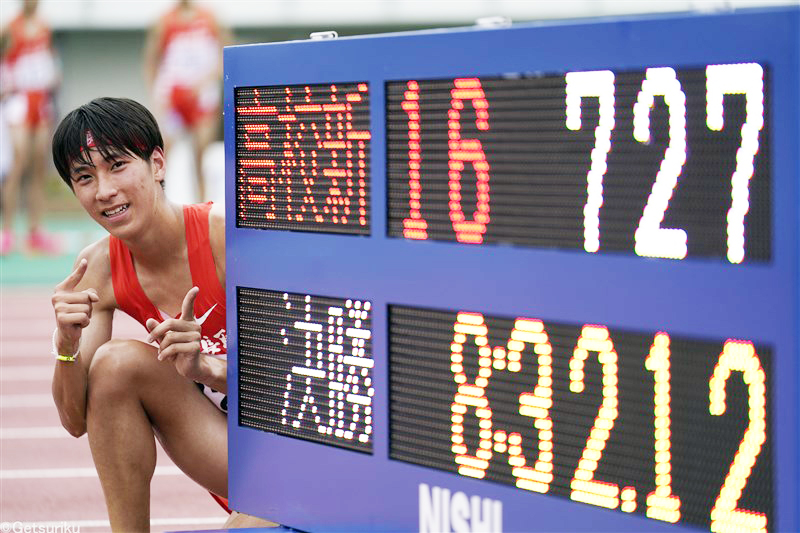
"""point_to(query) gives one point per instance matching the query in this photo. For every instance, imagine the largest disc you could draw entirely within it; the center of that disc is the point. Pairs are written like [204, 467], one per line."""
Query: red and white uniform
[30, 72]
[209, 307]
[189, 60]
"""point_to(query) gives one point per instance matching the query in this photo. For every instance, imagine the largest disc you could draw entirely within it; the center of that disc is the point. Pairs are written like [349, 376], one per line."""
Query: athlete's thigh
[192, 431]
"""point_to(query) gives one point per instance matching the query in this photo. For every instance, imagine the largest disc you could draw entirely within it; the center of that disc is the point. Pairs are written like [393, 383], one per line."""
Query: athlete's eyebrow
[108, 156]
[77, 169]
[113, 154]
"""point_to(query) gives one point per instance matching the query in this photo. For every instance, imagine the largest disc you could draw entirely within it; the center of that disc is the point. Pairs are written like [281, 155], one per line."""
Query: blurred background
[99, 50]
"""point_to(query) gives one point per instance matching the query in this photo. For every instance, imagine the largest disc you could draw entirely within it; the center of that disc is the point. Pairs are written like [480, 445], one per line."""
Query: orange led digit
[466, 398]
[661, 503]
[536, 404]
[584, 487]
[739, 356]
[471, 395]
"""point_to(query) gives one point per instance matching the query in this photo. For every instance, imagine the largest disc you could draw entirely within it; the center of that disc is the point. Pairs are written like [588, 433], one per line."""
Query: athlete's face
[120, 192]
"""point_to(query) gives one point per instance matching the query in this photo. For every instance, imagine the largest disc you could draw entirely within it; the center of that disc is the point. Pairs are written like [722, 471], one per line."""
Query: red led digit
[585, 488]
[740, 356]
[414, 227]
[470, 151]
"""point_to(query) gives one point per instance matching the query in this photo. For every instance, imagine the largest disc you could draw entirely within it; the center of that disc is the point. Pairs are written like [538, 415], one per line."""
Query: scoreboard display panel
[543, 277]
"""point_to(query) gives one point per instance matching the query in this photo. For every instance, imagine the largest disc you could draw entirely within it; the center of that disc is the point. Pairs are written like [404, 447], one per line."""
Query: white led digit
[651, 239]
[747, 79]
[598, 84]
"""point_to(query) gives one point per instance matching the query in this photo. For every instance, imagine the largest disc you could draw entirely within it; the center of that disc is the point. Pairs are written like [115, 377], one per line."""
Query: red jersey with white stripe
[209, 306]
[29, 58]
[29, 72]
[189, 60]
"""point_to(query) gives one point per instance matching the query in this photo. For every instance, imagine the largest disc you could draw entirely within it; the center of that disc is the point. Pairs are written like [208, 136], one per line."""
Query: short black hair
[109, 125]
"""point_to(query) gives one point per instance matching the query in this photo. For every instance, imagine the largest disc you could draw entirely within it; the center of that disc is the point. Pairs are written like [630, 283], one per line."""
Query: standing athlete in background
[30, 76]
[183, 67]
[164, 265]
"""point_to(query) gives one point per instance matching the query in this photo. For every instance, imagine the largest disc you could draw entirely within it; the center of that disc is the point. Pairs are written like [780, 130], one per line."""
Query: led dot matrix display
[602, 416]
[581, 288]
[664, 162]
[302, 157]
[305, 367]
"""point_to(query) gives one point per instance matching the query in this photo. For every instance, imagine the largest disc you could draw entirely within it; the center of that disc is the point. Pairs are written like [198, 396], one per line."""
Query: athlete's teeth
[118, 210]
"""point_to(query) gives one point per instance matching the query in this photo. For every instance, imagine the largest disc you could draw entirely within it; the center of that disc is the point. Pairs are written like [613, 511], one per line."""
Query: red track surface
[47, 476]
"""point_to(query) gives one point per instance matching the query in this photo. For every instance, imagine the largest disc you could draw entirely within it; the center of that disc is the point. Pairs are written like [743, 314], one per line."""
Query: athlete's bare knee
[118, 366]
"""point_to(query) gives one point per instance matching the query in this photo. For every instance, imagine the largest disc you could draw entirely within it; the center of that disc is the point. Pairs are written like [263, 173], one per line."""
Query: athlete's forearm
[70, 381]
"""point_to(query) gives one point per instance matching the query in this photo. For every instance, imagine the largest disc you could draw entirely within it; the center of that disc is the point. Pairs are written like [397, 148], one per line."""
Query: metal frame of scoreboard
[312, 486]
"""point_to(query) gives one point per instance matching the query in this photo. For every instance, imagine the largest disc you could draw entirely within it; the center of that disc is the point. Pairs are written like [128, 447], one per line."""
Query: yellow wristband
[62, 357]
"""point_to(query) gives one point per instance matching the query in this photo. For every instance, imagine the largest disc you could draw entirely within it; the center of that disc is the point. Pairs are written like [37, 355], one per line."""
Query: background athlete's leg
[21, 141]
[37, 239]
[202, 134]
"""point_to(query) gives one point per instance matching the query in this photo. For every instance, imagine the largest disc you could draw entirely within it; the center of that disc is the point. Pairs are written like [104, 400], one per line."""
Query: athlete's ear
[158, 163]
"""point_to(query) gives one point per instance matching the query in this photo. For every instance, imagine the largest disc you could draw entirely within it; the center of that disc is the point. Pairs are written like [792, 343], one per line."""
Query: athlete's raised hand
[179, 339]
[73, 309]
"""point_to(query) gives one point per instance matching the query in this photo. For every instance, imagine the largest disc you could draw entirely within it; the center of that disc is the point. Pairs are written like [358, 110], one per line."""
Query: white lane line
[61, 473]
[29, 433]
[10, 401]
[51, 525]
[26, 373]
[16, 326]
[26, 400]
[33, 348]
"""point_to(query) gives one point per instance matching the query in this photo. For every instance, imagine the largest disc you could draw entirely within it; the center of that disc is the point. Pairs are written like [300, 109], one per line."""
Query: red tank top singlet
[209, 306]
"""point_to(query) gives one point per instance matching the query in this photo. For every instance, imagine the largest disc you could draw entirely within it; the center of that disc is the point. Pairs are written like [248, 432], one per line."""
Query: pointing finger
[160, 329]
[151, 324]
[73, 279]
[187, 309]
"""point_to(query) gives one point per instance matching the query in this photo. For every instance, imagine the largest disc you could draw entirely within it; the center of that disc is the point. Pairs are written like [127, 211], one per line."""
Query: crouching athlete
[164, 265]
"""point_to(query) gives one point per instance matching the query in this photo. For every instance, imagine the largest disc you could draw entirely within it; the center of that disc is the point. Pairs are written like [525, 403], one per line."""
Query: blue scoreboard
[541, 277]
